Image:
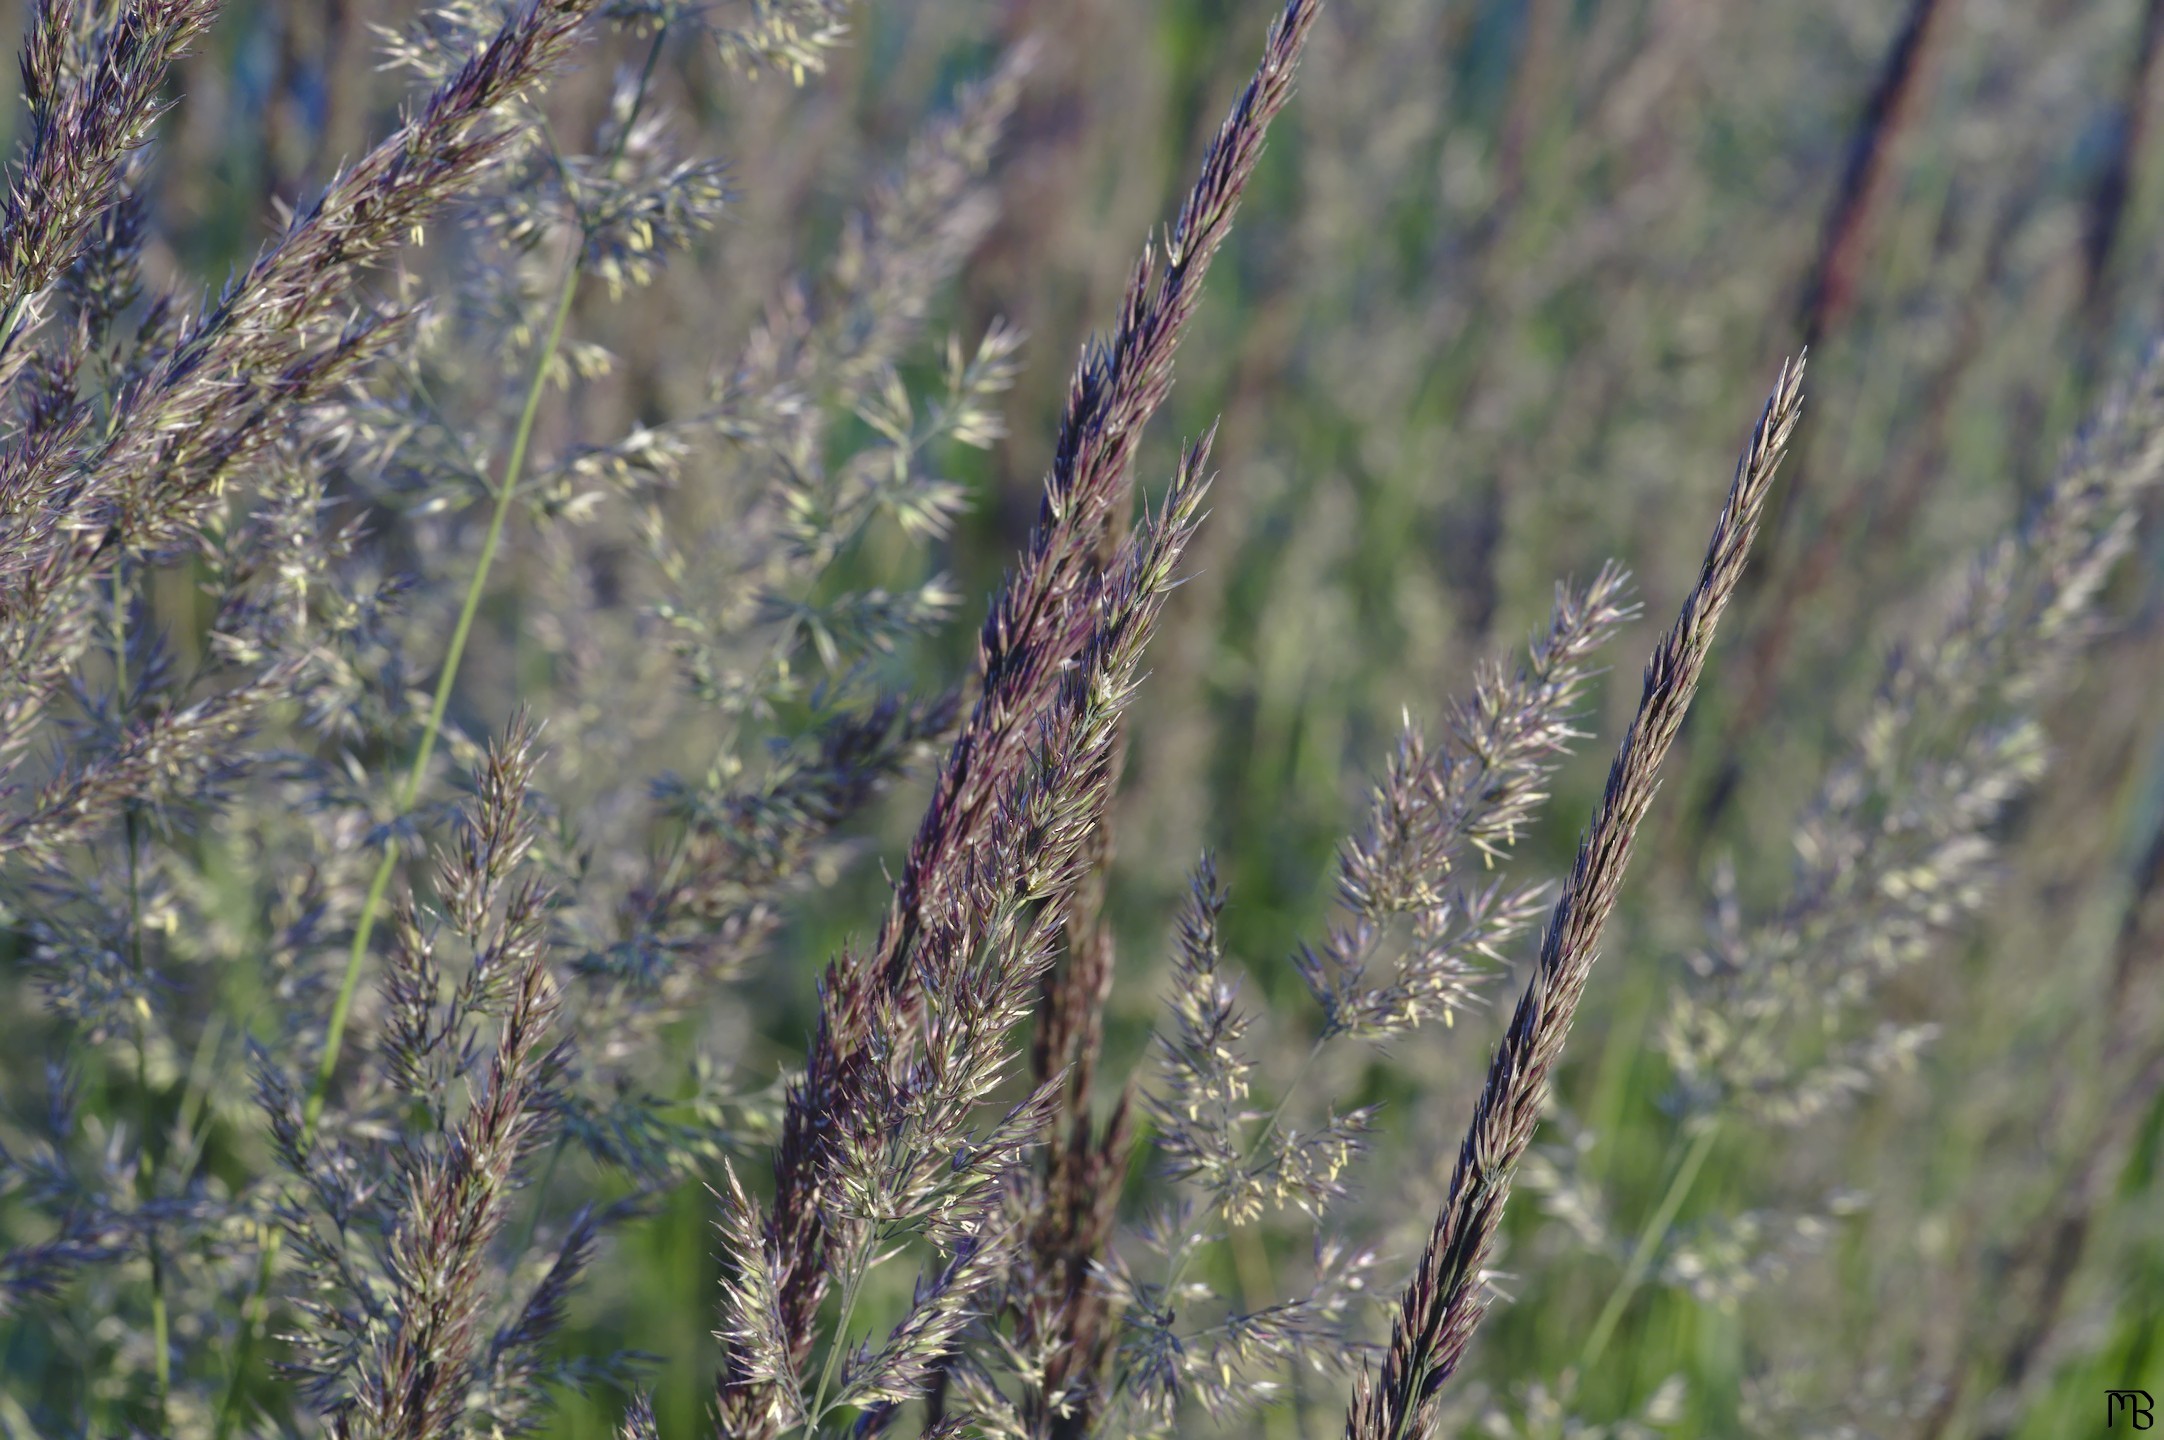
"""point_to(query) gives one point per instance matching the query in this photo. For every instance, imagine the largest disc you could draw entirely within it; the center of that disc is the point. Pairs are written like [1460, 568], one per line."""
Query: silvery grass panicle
[711, 898]
[1896, 850]
[1438, 808]
[791, 37]
[405, 1331]
[365, 1055]
[911, 1033]
[753, 600]
[549, 220]
[1780, 1021]
[1436, 813]
[90, 81]
[129, 446]
[902, 1152]
[235, 440]
[1443, 1303]
[1181, 1344]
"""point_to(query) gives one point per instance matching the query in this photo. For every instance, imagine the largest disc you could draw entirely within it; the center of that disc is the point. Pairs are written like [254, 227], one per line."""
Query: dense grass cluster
[471, 679]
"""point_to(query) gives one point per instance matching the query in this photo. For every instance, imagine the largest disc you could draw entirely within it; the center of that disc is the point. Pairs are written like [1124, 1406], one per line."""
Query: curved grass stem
[258, 1305]
[145, 1173]
[1656, 1229]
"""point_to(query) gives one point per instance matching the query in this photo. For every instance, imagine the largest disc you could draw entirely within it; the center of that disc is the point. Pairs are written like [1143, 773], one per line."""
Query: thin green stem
[341, 1009]
[252, 1315]
[460, 634]
[1292, 1088]
[379, 886]
[8, 322]
[145, 1172]
[1258, 1291]
[161, 1335]
[852, 1287]
[1656, 1229]
[638, 97]
[194, 1093]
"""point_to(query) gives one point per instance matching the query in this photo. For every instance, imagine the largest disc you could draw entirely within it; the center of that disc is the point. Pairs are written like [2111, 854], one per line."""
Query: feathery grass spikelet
[1447, 1295]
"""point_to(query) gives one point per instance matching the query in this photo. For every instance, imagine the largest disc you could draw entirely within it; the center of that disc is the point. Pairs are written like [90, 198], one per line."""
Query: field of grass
[486, 619]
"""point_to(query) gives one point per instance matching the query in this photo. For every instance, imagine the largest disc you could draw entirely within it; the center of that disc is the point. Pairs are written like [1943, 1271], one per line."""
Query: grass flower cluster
[519, 916]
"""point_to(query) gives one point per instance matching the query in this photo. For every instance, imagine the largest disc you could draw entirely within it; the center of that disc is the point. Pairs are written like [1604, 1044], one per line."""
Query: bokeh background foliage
[1511, 278]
